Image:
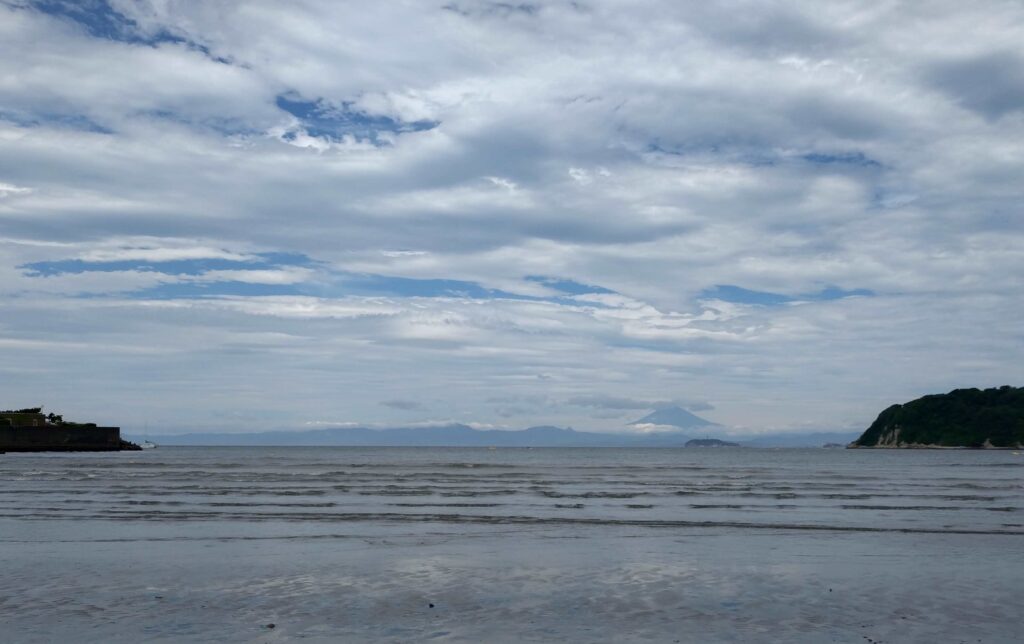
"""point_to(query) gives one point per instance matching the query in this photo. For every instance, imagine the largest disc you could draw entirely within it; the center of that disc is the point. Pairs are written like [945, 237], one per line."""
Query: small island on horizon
[963, 418]
[709, 442]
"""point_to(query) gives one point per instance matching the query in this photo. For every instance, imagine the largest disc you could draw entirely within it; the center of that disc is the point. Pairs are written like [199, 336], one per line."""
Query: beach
[463, 545]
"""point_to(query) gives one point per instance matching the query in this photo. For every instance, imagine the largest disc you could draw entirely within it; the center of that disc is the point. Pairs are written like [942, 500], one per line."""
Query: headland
[961, 419]
[29, 430]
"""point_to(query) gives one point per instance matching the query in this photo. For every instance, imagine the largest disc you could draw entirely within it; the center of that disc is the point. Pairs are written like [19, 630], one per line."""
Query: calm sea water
[466, 544]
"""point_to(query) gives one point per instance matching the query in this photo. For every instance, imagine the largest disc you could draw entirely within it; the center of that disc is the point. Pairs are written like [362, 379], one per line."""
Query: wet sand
[142, 570]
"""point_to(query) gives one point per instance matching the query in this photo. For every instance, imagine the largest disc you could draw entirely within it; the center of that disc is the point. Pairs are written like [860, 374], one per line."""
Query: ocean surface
[512, 545]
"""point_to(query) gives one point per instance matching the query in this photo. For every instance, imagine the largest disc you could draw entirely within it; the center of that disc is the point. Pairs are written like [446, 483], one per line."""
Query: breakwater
[62, 438]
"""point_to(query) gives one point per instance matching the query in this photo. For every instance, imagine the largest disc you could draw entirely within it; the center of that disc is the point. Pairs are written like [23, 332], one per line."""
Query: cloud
[403, 405]
[577, 207]
[158, 250]
[650, 428]
[991, 84]
[698, 406]
[610, 402]
[736, 294]
[9, 190]
[621, 403]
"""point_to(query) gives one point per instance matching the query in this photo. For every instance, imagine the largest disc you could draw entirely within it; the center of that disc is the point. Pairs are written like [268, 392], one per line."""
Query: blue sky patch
[730, 293]
[261, 261]
[189, 290]
[326, 283]
[568, 286]
[739, 295]
[322, 119]
[97, 17]
[389, 286]
[100, 20]
[370, 284]
[759, 157]
[841, 158]
[341, 283]
[836, 293]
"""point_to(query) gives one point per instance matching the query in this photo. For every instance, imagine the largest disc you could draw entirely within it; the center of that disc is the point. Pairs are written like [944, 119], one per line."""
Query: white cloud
[289, 275]
[10, 190]
[656, 149]
[157, 250]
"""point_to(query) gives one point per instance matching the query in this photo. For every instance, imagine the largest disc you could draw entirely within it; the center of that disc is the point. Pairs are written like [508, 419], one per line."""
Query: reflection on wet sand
[511, 545]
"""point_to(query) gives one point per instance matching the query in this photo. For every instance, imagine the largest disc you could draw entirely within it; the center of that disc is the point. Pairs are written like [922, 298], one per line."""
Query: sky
[244, 215]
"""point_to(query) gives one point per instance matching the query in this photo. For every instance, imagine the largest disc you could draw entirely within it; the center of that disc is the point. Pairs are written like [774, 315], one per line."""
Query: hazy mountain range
[458, 435]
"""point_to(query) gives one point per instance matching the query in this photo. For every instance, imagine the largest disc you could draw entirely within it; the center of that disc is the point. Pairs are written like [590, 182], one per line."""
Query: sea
[334, 544]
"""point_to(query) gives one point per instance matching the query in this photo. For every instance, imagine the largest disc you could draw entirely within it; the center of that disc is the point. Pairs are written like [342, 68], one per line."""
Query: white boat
[147, 445]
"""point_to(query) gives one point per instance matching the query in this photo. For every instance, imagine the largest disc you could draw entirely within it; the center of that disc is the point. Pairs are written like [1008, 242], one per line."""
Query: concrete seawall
[63, 438]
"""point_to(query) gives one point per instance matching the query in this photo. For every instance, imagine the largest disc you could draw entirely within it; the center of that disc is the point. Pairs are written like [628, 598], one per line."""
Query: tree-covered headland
[962, 418]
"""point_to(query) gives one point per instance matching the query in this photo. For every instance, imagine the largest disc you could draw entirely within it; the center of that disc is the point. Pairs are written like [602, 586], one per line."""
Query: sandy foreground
[482, 584]
[416, 545]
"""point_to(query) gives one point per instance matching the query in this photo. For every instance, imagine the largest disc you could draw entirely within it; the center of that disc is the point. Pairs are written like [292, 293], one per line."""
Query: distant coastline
[946, 447]
[456, 435]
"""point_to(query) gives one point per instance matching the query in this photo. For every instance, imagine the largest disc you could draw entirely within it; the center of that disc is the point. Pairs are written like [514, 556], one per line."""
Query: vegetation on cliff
[961, 418]
[34, 416]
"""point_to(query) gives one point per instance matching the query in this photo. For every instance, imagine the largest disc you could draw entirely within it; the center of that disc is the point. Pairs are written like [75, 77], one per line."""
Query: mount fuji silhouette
[674, 417]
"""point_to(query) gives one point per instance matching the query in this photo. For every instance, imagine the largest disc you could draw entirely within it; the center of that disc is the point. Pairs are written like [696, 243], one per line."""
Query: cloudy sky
[254, 214]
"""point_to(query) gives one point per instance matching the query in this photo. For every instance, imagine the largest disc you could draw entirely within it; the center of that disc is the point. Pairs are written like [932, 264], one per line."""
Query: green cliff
[961, 418]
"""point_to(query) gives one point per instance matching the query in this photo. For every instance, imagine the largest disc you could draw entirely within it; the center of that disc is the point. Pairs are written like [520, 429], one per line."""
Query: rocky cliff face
[990, 418]
[890, 437]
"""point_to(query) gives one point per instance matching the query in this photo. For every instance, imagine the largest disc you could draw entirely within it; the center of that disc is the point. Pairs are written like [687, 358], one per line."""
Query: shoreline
[954, 447]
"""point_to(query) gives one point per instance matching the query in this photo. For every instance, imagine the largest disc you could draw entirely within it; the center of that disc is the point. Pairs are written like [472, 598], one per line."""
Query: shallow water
[595, 545]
